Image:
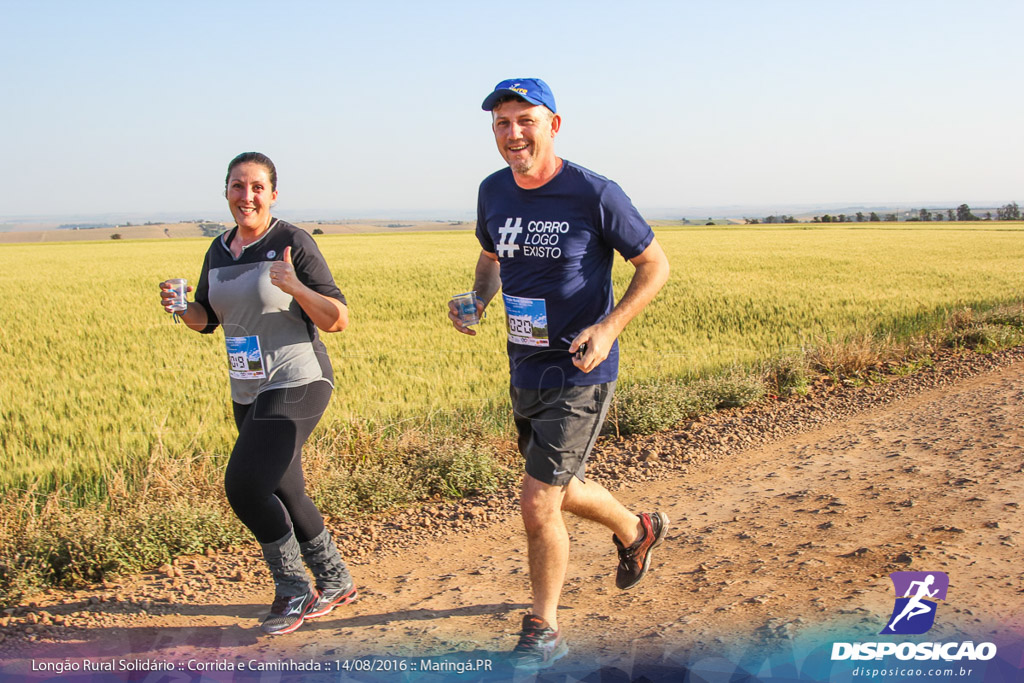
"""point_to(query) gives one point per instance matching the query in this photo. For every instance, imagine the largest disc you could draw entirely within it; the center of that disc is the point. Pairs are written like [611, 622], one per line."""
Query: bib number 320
[527, 320]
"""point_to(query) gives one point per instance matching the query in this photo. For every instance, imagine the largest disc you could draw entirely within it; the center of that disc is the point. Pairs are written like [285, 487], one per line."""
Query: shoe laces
[280, 603]
[628, 553]
[530, 637]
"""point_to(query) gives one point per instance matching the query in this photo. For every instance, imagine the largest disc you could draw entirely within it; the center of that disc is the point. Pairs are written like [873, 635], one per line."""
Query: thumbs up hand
[282, 273]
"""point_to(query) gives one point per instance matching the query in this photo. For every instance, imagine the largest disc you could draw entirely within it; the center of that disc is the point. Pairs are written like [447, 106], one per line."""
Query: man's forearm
[486, 278]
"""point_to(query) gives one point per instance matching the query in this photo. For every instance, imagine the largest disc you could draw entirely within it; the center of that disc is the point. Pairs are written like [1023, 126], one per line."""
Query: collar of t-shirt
[229, 237]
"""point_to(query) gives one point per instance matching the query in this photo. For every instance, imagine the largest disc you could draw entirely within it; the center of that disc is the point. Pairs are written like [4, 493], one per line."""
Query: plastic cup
[179, 286]
[466, 306]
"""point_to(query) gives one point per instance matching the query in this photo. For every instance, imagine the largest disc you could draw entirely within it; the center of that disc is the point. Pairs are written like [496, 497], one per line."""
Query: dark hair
[508, 97]
[253, 158]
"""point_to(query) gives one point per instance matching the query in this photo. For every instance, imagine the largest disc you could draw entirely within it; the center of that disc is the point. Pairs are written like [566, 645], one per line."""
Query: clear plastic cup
[179, 286]
[466, 306]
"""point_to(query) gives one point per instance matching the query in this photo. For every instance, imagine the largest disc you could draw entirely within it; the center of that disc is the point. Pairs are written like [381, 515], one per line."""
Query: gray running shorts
[558, 427]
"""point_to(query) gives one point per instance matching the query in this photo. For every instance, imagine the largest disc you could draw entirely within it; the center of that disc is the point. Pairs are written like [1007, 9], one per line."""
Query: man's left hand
[598, 339]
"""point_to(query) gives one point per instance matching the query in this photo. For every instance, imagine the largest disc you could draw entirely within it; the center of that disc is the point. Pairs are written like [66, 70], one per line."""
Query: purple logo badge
[916, 592]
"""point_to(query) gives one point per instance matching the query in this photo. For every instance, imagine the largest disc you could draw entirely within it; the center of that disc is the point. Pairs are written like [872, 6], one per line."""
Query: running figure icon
[916, 602]
[914, 606]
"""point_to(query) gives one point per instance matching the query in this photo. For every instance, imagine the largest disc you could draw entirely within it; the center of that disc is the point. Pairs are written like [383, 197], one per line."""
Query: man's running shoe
[329, 598]
[634, 560]
[539, 646]
[287, 613]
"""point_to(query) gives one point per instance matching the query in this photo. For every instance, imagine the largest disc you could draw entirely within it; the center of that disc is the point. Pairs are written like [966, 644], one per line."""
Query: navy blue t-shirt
[556, 245]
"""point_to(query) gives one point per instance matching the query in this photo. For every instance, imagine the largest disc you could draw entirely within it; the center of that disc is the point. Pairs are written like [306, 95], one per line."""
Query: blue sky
[374, 108]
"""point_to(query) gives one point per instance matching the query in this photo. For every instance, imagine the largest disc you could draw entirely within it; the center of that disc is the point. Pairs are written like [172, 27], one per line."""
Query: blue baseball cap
[533, 90]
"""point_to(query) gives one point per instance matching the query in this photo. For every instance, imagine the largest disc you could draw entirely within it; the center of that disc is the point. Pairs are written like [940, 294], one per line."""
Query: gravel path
[787, 518]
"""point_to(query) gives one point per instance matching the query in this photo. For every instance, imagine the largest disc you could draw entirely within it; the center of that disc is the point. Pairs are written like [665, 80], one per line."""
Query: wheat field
[97, 377]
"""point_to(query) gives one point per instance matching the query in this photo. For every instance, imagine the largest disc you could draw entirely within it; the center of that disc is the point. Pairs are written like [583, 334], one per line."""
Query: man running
[549, 230]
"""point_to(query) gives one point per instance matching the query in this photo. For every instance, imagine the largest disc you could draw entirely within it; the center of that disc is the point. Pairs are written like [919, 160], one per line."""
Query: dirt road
[786, 522]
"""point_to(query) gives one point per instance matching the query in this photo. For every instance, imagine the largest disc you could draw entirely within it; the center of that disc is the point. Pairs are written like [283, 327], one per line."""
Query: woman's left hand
[282, 274]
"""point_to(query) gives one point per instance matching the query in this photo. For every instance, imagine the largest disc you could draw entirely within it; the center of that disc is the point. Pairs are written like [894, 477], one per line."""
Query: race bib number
[527, 320]
[245, 359]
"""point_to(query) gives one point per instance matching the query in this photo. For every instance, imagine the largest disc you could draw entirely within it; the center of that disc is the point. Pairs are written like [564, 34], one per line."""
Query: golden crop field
[96, 375]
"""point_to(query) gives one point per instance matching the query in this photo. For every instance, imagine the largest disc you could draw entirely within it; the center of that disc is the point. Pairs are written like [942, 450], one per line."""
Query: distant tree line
[84, 226]
[859, 217]
[771, 219]
[963, 213]
[1008, 212]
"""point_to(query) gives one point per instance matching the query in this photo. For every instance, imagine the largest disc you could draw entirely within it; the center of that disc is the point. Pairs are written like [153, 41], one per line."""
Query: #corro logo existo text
[541, 240]
[913, 613]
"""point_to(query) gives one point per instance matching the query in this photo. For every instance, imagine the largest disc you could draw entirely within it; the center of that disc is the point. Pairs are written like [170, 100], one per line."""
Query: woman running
[267, 286]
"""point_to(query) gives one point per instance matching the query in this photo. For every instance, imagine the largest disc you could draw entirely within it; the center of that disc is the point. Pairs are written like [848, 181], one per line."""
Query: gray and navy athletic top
[271, 342]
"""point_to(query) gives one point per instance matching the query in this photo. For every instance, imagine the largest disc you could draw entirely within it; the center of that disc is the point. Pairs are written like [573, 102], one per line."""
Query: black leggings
[263, 480]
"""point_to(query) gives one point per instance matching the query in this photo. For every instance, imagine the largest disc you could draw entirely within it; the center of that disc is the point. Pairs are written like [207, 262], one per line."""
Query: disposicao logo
[915, 607]
[913, 613]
